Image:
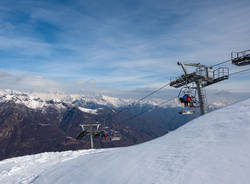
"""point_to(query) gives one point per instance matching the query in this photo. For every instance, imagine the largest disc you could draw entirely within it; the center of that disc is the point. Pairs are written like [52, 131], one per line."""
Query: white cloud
[25, 46]
[121, 52]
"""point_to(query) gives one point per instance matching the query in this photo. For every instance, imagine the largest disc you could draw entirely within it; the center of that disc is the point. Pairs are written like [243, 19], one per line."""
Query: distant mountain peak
[61, 100]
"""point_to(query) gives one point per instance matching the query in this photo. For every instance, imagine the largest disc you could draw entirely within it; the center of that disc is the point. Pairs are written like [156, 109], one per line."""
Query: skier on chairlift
[109, 135]
[188, 100]
[106, 136]
[185, 100]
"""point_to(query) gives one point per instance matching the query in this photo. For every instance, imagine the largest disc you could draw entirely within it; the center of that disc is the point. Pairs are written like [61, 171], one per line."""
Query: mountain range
[33, 123]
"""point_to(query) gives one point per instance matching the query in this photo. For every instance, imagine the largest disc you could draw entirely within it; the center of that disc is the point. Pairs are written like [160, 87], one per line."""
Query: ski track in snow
[213, 149]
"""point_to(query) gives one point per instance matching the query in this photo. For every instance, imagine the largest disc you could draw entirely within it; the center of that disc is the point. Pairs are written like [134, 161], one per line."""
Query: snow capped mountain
[88, 103]
[40, 100]
[33, 102]
[213, 148]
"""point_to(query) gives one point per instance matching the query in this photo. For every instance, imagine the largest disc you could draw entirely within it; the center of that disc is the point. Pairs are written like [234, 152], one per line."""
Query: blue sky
[108, 45]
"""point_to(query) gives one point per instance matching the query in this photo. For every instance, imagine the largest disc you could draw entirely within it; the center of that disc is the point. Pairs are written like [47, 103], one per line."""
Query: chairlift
[109, 135]
[187, 97]
[241, 58]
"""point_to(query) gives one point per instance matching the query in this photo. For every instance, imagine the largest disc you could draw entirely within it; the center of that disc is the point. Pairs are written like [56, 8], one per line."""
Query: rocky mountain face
[32, 124]
[24, 131]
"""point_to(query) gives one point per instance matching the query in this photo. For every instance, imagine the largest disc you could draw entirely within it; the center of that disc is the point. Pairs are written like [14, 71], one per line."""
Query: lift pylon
[94, 130]
[91, 130]
[202, 77]
[201, 96]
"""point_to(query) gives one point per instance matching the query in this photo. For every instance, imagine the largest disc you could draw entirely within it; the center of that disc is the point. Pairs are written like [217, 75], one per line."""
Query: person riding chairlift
[186, 99]
[109, 135]
[106, 136]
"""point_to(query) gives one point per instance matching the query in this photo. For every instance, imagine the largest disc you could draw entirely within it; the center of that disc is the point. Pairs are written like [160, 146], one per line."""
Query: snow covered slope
[214, 148]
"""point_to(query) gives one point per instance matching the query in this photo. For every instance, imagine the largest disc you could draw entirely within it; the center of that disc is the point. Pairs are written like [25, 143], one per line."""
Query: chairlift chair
[241, 58]
[113, 135]
[191, 92]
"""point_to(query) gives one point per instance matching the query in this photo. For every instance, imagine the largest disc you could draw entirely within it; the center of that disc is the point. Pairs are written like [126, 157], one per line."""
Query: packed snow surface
[214, 149]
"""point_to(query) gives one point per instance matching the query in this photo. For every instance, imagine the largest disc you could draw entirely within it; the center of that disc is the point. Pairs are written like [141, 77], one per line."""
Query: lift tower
[91, 130]
[202, 77]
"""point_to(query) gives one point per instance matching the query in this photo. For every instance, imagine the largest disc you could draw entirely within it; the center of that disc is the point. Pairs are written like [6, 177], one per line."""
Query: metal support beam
[91, 141]
[183, 67]
[201, 96]
[91, 138]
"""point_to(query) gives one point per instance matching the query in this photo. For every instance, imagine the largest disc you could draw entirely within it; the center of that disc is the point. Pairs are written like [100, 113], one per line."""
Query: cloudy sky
[111, 46]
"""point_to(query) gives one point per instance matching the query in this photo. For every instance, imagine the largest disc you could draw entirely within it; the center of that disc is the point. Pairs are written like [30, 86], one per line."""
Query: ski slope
[214, 149]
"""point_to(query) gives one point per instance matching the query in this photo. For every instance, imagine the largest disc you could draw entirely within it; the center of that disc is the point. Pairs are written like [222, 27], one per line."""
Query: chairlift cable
[234, 73]
[138, 101]
[143, 98]
[155, 91]
[149, 110]
[221, 63]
